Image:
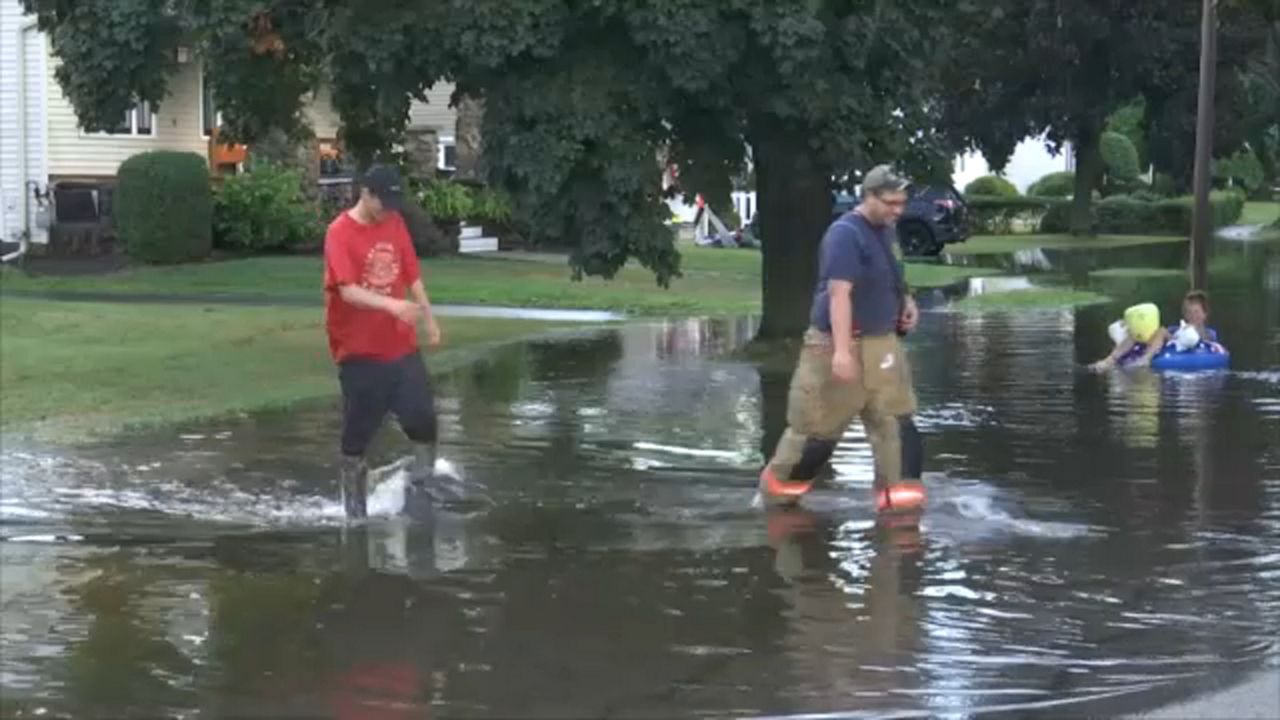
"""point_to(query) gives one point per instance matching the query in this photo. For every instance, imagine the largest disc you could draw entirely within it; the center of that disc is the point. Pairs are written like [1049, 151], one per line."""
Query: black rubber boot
[354, 487]
[418, 500]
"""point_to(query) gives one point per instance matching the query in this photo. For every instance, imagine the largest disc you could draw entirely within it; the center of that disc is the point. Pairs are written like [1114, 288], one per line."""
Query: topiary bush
[164, 207]
[1057, 184]
[1129, 215]
[1120, 157]
[265, 210]
[991, 186]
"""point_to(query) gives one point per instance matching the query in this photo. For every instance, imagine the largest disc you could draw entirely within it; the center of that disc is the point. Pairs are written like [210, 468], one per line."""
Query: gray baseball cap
[883, 178]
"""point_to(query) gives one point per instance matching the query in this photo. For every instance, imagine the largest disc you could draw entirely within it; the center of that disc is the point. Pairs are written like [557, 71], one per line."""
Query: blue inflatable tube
[1197, 359]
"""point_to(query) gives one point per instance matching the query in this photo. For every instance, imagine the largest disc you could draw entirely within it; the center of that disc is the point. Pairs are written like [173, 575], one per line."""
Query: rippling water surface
[1091, 544]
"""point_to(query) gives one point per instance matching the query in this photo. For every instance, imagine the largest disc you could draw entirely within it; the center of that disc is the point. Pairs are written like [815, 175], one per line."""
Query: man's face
[886, 207]
[1194, 313]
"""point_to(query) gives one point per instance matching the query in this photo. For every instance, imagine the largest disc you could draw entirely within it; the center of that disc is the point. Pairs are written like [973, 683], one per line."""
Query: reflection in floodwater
[1091, 542]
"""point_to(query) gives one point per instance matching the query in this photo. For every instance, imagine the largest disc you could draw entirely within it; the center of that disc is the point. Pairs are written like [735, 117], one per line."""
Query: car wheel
[917, 240]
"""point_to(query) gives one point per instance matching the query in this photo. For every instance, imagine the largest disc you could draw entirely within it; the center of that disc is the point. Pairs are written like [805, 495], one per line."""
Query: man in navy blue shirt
[853, 363]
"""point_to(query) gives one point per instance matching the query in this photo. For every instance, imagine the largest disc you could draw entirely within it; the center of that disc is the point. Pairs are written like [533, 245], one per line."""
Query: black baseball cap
[384, 182]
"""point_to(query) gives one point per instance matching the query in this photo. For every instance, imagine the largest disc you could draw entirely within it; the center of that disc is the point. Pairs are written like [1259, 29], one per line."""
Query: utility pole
[1202, 220]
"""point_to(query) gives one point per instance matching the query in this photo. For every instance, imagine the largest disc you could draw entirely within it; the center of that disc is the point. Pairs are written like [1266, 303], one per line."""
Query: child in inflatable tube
[1139, 337]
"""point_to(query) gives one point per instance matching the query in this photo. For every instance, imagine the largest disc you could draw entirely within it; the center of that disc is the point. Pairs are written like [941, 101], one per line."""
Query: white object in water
[1118, 332]
[1186, 337]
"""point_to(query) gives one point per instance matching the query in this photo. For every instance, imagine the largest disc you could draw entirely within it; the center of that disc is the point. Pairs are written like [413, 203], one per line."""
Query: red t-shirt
[377, 257]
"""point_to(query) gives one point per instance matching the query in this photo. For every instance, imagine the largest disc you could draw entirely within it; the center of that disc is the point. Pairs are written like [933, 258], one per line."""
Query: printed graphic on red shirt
[381, 268]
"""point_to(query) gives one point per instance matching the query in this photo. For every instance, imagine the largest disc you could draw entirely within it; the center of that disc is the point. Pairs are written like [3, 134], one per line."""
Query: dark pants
[371, 388]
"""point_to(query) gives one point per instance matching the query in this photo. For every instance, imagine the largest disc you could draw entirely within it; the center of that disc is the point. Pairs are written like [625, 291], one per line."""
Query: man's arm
[419, 292]
[840, 299]
[360, 297]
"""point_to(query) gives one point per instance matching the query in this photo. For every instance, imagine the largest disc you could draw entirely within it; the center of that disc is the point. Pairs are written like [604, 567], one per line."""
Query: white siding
[11, 20]
[177, 127]
[33, 141]
[435, 113]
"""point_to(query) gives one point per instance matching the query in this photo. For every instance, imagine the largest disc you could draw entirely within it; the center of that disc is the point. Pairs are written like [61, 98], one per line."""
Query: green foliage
[446, 202]
[1129, 120]
[1128, 215]
[991, 186]
[1055, 184]
[490, 206]
[993, 215]
[100, 78]
[1030, 67]
[163, 206]
[1164, 185]
[1120, 157]
[1241, 170]
[264, 210]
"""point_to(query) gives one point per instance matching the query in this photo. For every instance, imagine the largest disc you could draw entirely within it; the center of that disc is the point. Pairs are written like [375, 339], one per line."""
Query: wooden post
[1202, 219]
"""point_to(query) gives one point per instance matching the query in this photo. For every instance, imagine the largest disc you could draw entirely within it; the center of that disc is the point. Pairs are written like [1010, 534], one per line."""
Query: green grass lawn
[72, 371]
[996, 244]
[715, 281]
[1031, 299]
[1260, 213]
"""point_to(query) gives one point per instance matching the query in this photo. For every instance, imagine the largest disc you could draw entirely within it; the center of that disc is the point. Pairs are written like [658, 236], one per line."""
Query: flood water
[1092, 544]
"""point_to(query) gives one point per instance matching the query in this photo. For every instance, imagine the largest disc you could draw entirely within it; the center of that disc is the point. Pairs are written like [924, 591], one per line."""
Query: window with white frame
[447, 153]
[138, 120]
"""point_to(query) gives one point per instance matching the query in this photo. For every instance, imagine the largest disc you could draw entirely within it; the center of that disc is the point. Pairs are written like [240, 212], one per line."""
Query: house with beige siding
[52, 171]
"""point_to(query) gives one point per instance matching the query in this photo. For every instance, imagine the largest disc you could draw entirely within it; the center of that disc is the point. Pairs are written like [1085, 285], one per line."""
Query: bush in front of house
[265, 210]
[991, 186]
[1055, 184]
[163, 206]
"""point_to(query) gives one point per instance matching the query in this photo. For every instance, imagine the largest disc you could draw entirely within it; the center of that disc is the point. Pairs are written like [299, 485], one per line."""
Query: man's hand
[910, 315]
[405, 311]
[433, 330]
[843, 367]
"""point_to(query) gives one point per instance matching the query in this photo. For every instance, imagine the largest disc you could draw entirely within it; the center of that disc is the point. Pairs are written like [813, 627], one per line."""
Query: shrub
[164, 207]
[1058, 218]
[1126, 215]
[489, 206]
[1120, 157]
[446, 202]
[991, 186]
[1005, 215]
[1057, 184]
[1129, 215]
[265, 209]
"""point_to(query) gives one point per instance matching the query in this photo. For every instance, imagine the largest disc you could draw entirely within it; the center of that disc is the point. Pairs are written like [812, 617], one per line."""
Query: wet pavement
[1092, 545]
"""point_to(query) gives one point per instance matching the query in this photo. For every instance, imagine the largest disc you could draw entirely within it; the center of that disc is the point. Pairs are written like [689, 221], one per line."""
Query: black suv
[935, 216]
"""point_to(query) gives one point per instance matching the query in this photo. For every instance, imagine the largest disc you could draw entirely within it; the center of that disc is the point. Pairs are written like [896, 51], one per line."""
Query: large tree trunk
[469, 162]
[794, 192]
[1088, 176]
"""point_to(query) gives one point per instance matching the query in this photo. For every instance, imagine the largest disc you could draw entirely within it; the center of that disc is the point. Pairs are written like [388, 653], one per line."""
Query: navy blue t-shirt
[856, 251]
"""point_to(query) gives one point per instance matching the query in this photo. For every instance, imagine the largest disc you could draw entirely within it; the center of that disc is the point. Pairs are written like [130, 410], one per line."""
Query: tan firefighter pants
[820, 408]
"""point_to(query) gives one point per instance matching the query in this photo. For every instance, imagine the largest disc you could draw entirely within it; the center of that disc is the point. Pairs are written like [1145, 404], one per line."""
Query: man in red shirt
[369, 264]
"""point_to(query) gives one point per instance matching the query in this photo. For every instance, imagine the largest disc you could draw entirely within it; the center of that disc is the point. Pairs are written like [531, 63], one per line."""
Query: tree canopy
[585, 102]
[1061, 69]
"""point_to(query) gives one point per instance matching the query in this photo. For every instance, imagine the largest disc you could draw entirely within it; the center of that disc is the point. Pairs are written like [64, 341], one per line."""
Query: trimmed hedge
[991, 186]
[990, 215]
[164, 207]
[1057, 184]
[1128, 215]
